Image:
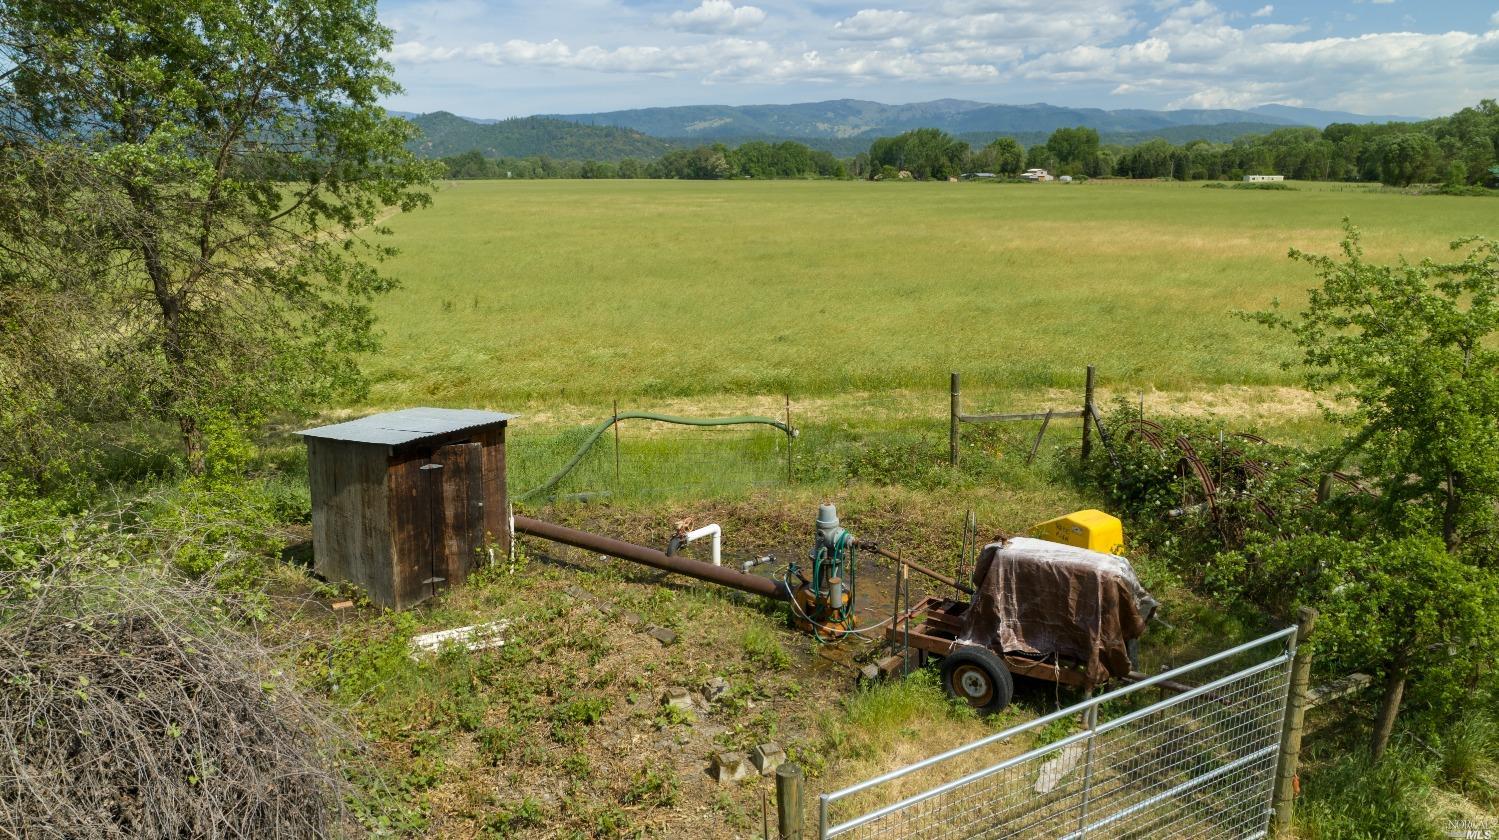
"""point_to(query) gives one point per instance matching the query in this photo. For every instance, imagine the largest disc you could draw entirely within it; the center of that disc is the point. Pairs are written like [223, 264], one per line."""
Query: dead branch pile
[127, 709]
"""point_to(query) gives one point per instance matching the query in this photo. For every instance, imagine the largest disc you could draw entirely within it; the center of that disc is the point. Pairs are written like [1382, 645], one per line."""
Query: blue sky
[500, 58]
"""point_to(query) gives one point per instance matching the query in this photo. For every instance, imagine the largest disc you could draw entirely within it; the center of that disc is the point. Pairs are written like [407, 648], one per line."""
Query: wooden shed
[405, 503]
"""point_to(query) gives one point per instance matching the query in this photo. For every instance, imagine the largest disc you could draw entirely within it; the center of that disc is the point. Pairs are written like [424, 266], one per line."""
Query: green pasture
[546, 293]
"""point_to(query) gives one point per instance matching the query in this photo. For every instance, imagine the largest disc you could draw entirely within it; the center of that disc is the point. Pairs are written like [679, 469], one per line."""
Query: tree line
[1460, 150]
[758, 160]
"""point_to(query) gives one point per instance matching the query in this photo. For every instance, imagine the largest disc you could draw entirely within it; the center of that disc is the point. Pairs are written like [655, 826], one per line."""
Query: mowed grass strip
[527, 293]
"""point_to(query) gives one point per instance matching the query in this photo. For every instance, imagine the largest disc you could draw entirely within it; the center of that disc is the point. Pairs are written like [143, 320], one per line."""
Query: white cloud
[1186, 53]
[1242, 96]
[1035, 25]
[415, 52]
[873, 24]
[1213, 64]
[723, 60]
[717, 16]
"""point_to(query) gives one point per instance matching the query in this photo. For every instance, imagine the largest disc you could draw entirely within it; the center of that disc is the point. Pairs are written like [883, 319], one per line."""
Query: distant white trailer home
[1256, 178]
[1036, 175]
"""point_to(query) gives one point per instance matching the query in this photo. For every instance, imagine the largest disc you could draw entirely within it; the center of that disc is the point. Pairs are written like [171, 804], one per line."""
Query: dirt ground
[562, 732]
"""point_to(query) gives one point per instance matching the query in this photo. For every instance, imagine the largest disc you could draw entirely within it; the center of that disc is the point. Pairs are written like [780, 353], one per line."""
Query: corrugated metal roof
[394, 428]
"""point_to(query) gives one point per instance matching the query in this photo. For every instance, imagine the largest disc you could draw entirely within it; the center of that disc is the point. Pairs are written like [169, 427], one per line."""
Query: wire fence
[645, 459]
[888, 436]
[1198, 763]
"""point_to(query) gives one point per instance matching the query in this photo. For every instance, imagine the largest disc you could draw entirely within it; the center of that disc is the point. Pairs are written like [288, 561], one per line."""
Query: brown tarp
[1049, 600]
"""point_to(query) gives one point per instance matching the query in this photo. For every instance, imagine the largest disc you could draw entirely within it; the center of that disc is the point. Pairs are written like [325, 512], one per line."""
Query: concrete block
[767, 757]
[676, 696]
[715, 688]
[731, 767]
[473, 637]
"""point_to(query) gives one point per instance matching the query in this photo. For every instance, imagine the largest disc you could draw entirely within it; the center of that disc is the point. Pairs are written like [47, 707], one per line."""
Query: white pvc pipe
[717, 540]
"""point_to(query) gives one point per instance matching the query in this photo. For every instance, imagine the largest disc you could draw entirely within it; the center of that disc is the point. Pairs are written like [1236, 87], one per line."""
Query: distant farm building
[1036, 175]
[1256, 178]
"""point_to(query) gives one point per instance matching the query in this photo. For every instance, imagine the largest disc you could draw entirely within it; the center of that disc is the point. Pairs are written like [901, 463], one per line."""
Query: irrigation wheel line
[599, 430]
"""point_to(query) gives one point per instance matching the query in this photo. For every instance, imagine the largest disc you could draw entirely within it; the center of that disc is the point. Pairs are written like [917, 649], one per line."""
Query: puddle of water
[874, 604]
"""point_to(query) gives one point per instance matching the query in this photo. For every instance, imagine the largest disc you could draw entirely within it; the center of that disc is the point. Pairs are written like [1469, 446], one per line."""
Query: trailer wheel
[979, 678]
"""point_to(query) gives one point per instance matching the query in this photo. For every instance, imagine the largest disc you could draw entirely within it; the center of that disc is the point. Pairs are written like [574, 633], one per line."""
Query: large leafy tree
[1408, 350]
[925, 152]
[1406, 158]
[1003, 155]
[188, 193]
[1404, 608]
[1075, 149]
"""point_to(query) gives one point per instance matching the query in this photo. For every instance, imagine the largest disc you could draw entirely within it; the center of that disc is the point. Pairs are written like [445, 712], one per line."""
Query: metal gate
[1198, 763]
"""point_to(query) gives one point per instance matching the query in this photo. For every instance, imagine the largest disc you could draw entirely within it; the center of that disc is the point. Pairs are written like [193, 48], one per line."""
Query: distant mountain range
[841, 126]
[445, 134]
[1322, 119]
[855, 117]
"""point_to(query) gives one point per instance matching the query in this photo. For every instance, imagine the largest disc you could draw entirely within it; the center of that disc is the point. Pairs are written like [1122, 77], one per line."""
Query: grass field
[554, 299]
[524, 294]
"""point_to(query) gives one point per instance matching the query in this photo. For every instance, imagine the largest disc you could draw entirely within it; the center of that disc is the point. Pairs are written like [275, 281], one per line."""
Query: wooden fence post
[1283, 802]
[952, 426]
[789, 814]
[1088, 415]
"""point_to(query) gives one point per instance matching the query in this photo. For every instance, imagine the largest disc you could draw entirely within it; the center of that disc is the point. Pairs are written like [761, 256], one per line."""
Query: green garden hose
[598, 432]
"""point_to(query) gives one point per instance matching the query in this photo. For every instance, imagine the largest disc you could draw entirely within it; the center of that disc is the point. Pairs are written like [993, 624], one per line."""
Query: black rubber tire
[978, 677]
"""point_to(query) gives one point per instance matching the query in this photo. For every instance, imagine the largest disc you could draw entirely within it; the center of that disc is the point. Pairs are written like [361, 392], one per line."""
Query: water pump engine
[823, 604]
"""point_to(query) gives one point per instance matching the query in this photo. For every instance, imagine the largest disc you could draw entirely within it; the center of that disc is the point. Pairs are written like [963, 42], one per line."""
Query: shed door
[437, 521]
[462, 499]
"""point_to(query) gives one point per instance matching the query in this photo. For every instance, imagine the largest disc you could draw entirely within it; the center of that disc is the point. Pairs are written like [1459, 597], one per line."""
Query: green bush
[29, 523]
[1461, 190]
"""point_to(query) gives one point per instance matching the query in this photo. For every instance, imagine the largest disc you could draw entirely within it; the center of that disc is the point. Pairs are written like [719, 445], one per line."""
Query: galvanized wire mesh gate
[1198, 763]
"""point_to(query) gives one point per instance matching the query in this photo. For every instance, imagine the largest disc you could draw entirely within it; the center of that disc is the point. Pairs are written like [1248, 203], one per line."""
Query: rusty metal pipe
[721, 575]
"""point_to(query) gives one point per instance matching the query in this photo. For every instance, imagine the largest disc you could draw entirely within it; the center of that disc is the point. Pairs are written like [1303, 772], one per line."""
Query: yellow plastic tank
[1090, 529]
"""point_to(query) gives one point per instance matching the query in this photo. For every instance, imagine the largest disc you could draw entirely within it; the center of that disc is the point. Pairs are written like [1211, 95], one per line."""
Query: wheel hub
[974, 685]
